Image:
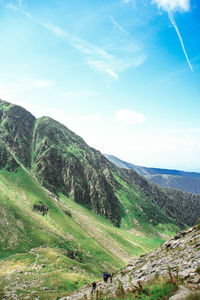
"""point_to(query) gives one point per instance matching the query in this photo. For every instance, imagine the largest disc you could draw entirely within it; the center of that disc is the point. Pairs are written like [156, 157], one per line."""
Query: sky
[122, 74]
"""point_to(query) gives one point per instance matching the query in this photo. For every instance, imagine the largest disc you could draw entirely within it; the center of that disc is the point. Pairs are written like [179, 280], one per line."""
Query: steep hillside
[175, 203]
[173, 269]
[63, 163]
[67, 213]
[176, 179]
[48, 255]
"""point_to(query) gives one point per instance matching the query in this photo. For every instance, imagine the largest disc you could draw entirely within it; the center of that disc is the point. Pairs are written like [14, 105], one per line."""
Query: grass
[51, 256]
[193, 296]
[157, 290]
[143, 214]
[47, 273]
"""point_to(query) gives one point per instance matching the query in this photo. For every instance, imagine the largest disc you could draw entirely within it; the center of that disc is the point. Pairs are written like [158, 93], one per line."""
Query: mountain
[47, 255]
[63, 163]
[67, 213]
[180, 180]
[170, 272]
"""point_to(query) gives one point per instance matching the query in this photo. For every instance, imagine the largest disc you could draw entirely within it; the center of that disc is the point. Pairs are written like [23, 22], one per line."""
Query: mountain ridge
[64, 163]
[67, 213]
[169, 178]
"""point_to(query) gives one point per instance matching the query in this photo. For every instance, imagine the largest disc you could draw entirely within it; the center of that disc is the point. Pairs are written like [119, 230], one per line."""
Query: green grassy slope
[58, 252]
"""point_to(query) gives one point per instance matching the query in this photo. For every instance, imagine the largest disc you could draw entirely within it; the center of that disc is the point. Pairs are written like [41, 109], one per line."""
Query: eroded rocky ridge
[179, 255]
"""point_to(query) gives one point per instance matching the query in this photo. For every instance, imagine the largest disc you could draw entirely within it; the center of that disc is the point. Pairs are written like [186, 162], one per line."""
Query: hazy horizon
[123, 75]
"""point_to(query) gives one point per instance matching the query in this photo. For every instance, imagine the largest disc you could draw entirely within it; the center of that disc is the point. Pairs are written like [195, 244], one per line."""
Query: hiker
[94, 285]
[106, 276]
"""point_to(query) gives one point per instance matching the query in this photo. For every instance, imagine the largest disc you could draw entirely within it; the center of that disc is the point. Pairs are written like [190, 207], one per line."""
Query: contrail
[172, 20]
[117, 25]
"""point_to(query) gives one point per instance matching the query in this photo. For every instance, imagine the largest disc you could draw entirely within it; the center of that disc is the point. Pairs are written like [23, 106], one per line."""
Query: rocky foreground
[176, 260]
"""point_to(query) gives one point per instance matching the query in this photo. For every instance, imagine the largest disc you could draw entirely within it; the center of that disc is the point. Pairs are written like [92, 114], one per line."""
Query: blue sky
[123, 74]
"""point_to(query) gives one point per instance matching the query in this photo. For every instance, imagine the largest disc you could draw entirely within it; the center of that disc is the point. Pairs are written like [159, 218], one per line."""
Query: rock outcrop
[178, 258]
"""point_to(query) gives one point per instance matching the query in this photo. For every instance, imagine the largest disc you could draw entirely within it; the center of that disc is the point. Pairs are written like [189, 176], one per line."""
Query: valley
[67, 214]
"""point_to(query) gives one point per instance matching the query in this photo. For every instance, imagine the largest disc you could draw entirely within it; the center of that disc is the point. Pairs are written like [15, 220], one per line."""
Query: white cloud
[173, 5]
[129, 116]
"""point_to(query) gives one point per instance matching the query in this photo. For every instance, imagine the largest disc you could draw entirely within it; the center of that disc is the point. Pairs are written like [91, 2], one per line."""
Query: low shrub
[193, 296]
[198, 270]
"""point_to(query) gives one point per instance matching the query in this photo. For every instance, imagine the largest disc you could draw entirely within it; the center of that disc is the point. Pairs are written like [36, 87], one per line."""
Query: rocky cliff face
[16, 130]
[177, 261]
[6, 159]
[63, 162]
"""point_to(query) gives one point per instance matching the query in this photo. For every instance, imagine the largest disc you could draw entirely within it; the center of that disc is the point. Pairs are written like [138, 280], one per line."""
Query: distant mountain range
[176, 179]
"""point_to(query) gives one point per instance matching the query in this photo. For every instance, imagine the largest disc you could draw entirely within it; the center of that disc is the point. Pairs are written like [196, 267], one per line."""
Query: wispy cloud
[102, 66]
[117, 25]
[108, 63]
[171, 17]
[171, 6]
[129, 116]
[94, 56]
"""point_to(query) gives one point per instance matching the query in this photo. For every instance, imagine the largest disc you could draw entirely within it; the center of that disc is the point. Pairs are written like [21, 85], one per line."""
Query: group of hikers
[105, 278]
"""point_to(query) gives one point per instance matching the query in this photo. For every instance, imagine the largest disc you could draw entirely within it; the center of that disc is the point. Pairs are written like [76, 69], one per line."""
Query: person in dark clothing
[106, 276]
[94, 285]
